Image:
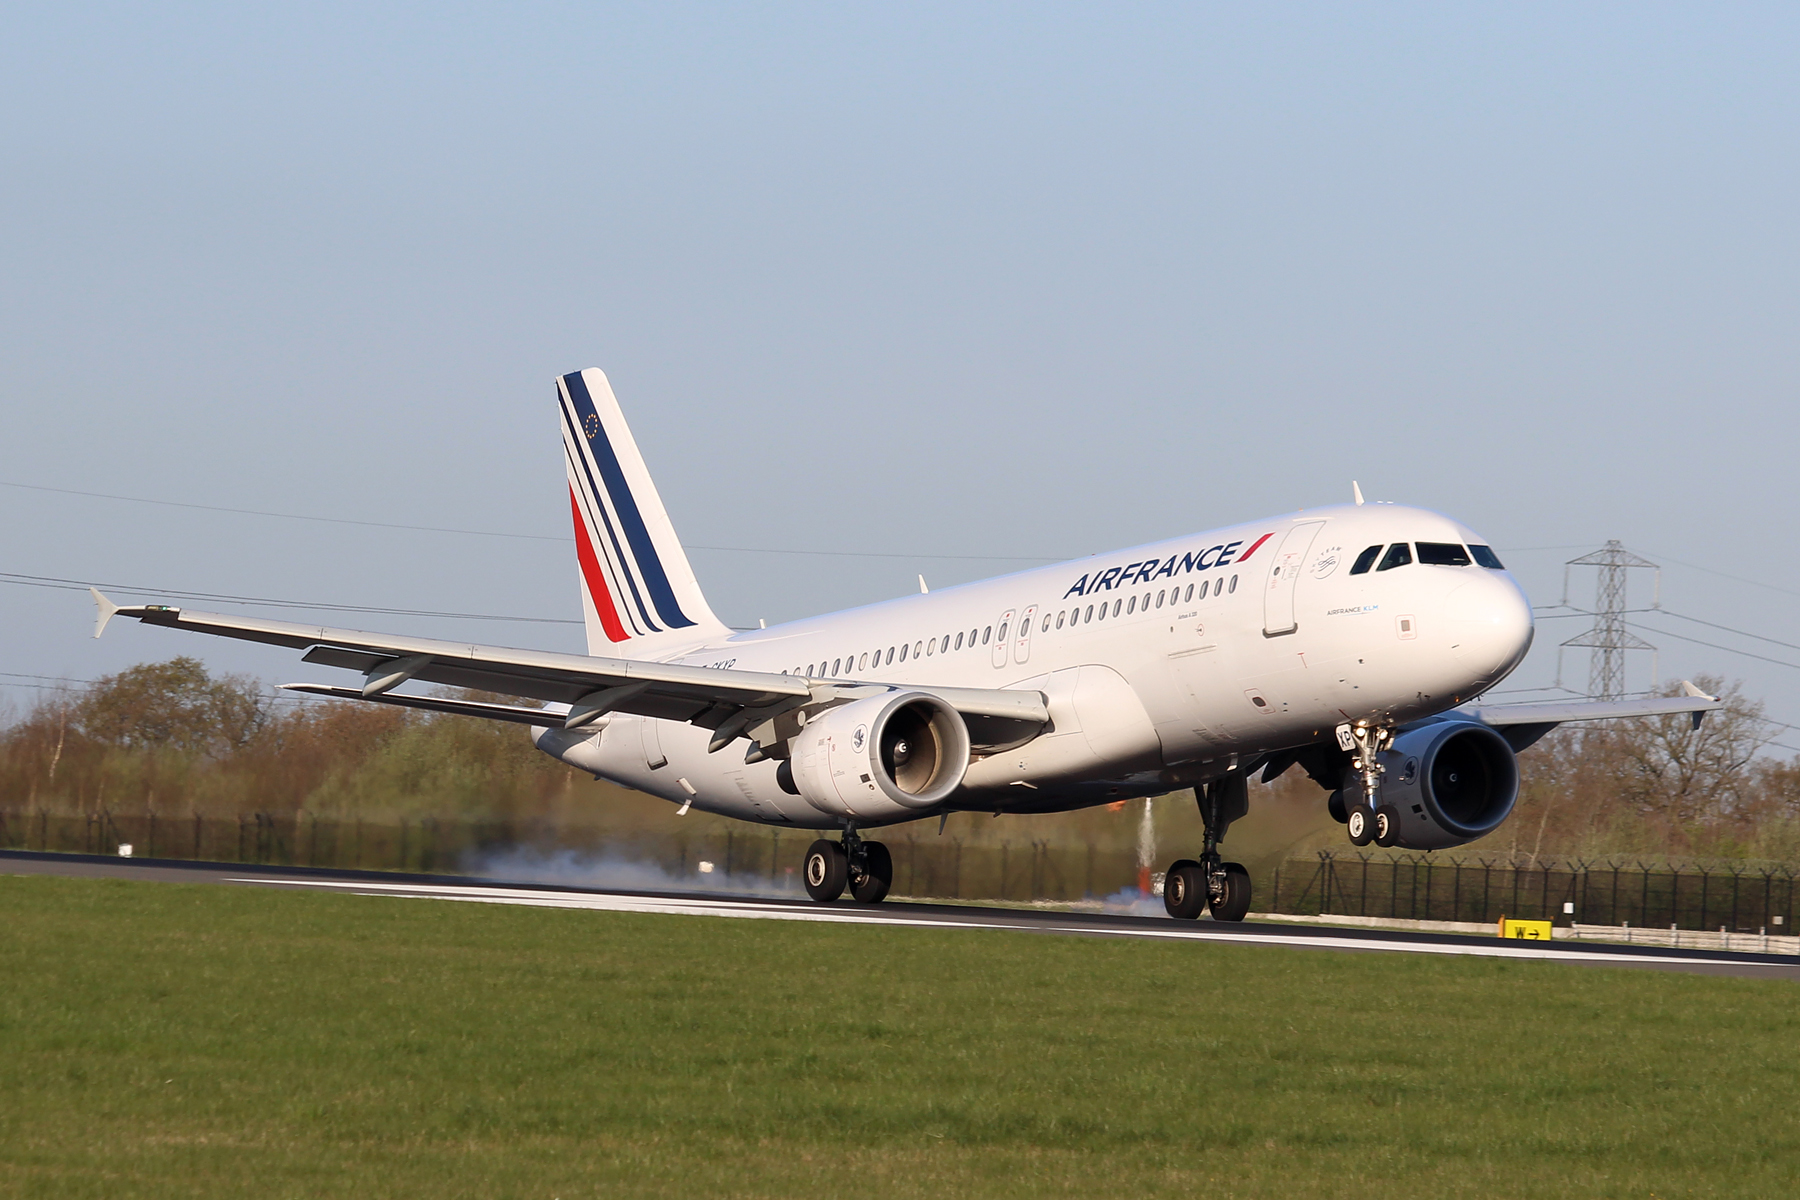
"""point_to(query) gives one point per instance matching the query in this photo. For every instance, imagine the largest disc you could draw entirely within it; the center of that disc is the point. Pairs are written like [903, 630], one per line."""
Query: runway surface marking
[870, 916]
[924, 914]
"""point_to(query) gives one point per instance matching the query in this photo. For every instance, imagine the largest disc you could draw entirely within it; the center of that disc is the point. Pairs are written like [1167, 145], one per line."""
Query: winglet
[923, 590]
[1356, 492]
[107, 609]
[1688, 689]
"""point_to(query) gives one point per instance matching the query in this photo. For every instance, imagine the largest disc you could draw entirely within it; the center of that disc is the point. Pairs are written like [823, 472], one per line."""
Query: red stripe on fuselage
[596, 582]
[1245, 556]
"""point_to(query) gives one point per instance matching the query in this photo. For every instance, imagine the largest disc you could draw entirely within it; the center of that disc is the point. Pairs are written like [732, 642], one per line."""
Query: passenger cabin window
[1399, 554]
[1443, 554]
[1365, 560]
[987, 635]
[1190, 594]
[888, 661]
[863, 662]
[1486, 557]
[903, 653]
[1233, 585]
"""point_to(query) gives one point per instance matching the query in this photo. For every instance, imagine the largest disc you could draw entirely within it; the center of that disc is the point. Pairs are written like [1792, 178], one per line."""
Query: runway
[929, 916]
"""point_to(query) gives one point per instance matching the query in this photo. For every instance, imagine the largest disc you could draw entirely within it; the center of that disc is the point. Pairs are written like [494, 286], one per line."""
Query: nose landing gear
[1370, 820]
[1189, 886]
[865, 867]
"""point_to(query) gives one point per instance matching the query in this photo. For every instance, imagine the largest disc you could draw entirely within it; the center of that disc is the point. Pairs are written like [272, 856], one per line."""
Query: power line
[255, 512]
[77, 585]
[1727, 575]
[1728, 649]
[1728, 629]
[530, 537]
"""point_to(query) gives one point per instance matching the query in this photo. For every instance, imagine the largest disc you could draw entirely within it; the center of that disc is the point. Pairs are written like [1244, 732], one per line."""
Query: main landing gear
[865, 867]
[1369, 820]
[1191, 887]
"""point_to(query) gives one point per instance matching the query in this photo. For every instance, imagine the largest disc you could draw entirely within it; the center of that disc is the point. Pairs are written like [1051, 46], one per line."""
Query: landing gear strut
[865, 867]
[1190, 886]
[1369, 820]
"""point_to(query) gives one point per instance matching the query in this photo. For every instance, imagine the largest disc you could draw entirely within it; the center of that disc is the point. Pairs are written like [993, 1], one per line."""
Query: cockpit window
[1486, 557]
[1398, 555]
[1365, 560]
[1443, 554]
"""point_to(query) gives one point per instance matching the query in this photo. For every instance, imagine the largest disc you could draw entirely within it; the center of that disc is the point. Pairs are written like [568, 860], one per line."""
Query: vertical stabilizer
[638, 593]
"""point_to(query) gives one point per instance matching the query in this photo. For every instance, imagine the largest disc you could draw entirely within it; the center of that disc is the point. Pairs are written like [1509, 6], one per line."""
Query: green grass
[162, 1040]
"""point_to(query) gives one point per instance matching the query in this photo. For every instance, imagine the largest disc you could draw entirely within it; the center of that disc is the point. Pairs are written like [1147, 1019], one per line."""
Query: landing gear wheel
[1234, 899]
[1184, 890]
[870, 885]
[1387, 825]
[1361, 827]
[827, 870]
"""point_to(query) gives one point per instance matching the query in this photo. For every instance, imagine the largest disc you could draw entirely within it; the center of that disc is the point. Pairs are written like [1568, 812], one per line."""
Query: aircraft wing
[727, 701]
[1525, 723]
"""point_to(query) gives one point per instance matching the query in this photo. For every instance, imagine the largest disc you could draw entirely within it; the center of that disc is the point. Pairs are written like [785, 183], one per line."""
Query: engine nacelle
[881, 759]
[1451, 782]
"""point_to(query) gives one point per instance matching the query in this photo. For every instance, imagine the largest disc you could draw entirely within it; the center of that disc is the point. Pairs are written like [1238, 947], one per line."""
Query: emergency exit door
[1283, 574]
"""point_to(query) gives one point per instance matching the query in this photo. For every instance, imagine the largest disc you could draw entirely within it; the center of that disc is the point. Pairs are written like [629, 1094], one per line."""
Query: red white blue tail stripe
[635, 577]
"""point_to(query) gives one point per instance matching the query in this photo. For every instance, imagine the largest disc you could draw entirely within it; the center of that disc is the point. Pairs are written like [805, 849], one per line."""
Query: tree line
[172, 738]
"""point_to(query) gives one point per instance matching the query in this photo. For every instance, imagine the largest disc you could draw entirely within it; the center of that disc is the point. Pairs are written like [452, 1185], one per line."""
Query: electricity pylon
[1609, 639]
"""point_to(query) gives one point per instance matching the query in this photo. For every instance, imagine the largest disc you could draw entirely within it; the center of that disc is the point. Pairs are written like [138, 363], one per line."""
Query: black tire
[1236, 901]
[1387, 825]
[1335, 806]
[1361, 825]
[827, 870]
[870, 885]
[1184, 890]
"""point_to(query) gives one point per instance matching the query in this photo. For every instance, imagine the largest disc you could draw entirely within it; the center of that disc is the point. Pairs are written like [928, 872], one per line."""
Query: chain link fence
[753, 857]
[1697, 895]
[1689, 895]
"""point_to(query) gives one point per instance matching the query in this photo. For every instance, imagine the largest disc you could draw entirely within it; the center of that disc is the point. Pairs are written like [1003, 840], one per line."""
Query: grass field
[162, 1040]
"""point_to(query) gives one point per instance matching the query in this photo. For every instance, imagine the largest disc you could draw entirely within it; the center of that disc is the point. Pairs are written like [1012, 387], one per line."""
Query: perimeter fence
[1468, 887]
[759, 857]
[1742, 897]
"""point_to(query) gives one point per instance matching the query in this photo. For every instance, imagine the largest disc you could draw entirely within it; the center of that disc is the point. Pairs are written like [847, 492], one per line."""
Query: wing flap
[513, 713]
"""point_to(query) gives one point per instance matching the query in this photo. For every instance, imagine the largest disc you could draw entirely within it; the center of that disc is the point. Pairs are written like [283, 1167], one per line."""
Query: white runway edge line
[695, 907]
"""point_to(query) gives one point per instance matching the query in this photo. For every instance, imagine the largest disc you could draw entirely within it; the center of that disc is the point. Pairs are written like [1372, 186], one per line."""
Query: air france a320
[1352, 642]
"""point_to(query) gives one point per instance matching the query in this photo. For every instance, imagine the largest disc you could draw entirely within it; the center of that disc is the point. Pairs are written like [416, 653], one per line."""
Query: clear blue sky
[935, 280]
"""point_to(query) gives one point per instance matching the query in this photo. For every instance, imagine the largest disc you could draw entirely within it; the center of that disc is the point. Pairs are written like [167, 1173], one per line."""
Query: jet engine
[1450, 782]
[885, 758]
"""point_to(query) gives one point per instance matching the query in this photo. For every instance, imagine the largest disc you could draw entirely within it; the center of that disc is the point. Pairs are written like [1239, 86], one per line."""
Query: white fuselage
[1164, 665]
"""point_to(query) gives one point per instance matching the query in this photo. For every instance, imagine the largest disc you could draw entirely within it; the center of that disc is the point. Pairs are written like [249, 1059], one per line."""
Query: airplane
[1353, 641]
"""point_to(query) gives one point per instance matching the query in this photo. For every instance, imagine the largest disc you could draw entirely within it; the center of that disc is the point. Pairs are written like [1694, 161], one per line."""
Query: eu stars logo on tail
[638, 593]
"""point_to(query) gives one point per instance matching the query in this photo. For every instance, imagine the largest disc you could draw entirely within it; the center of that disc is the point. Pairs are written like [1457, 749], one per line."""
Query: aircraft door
[1284, 573]
[1022, 642]
[1001, 633]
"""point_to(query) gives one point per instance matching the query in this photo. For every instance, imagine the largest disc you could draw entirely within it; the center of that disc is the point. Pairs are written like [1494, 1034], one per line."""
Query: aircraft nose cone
[1491, 617]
